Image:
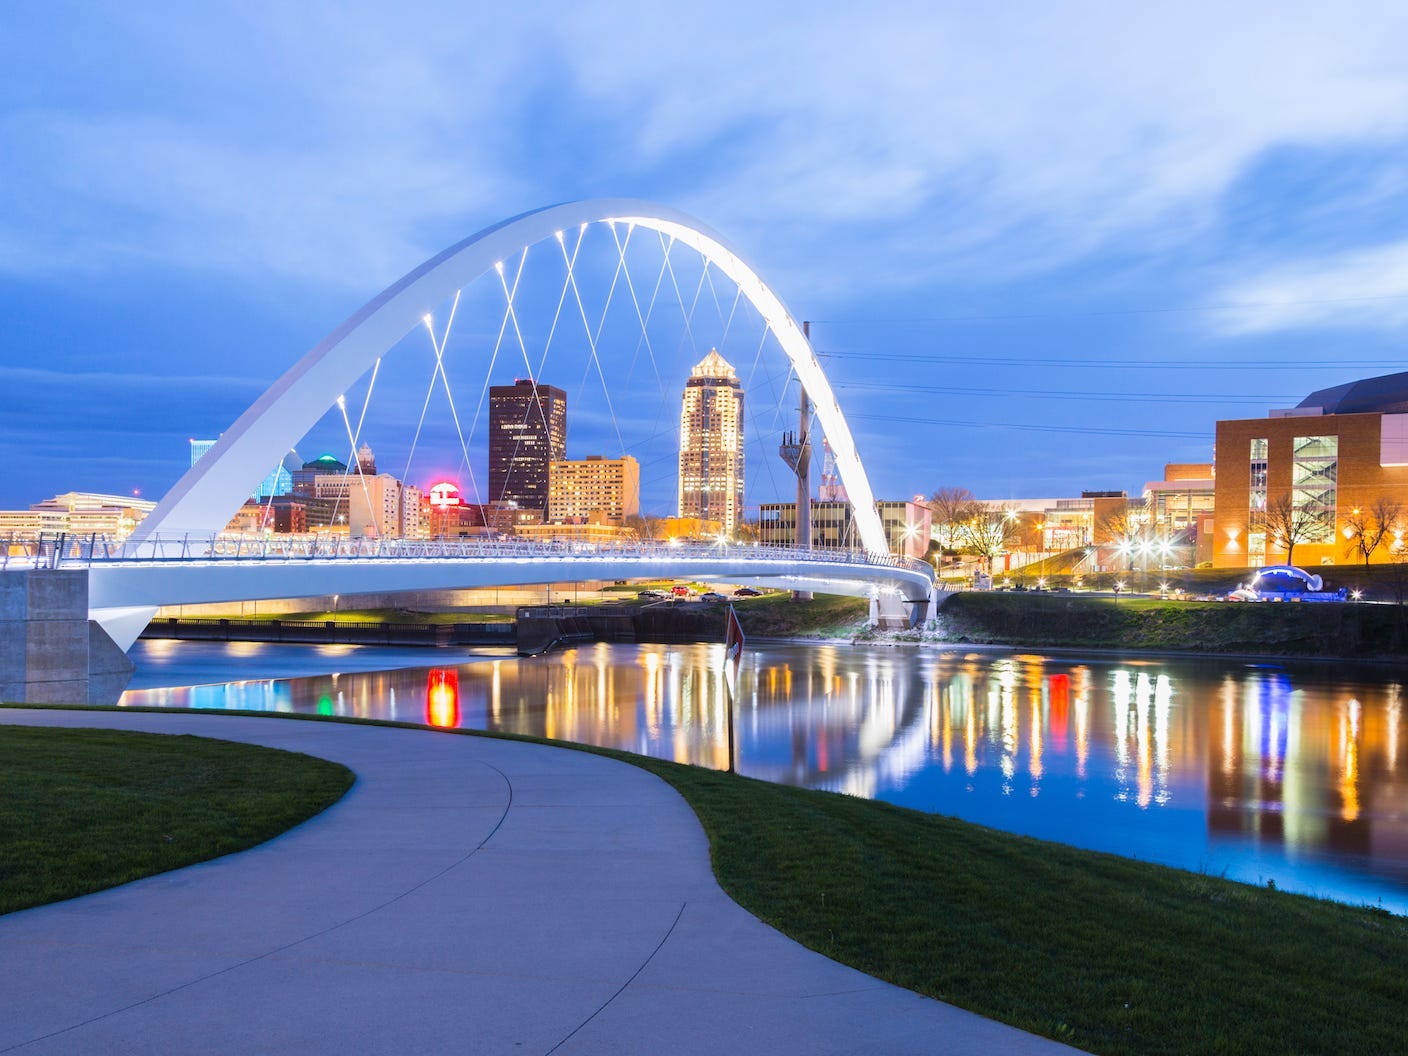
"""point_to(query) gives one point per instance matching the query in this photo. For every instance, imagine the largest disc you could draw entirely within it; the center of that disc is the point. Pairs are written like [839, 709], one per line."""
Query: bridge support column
[50, 652]
[890, 613]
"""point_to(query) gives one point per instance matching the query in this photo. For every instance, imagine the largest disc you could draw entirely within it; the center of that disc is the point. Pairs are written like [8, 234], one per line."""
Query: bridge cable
[484, 389]
[694, 304]
[430, 389]
[630, 285]
[644, 319]
[556, 315]
[449, 394]
[527, 362]
[772, 427]
[346, 489]
[592, 339]
[674, 281]
[728, 323]
[510, 293]
[353, 437]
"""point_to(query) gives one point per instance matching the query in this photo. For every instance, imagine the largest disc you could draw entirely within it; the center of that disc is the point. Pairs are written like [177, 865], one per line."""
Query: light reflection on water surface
[1256, 771]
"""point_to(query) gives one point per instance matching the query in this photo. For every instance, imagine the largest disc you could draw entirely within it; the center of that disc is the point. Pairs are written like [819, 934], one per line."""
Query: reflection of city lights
[442, 698]
[1349, 762]
[1392, 718]
[1251, 755]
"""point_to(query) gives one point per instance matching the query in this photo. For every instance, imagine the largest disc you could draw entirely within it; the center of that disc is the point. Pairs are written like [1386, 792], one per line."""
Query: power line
[1112, 397]
[1166, 310]
[1114, 364]
[1166, 433]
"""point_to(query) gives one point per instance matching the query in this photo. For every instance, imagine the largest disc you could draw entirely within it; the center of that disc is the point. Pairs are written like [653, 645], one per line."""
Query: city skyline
[1013, 237]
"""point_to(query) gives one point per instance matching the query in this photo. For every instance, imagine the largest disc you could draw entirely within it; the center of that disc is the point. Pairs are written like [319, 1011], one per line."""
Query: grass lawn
[826, 615]
[82, 810]
[1107, 954]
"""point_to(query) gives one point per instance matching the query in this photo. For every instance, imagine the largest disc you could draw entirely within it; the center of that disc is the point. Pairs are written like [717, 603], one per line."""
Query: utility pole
[796, 451]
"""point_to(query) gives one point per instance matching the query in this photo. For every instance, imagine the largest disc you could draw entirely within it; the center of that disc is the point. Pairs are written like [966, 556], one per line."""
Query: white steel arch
[203, 500]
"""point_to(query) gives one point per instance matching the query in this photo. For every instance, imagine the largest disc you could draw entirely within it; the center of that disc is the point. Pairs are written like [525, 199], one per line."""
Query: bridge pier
[50, 651]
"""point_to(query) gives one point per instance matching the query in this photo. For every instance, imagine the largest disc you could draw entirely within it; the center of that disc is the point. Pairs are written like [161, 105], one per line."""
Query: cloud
[848, 150]
[1363, 288]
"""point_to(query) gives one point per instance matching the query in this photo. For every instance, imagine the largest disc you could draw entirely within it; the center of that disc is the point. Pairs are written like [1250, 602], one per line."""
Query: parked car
[747, 592]
[680, 591]
[711, 595]
[650, 595]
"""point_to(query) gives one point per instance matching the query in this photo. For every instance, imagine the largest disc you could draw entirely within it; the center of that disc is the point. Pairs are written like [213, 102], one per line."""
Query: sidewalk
[469, 895]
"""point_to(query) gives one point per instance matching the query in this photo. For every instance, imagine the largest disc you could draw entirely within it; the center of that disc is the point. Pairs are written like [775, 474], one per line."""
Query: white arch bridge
[178, 557]
[132, 579]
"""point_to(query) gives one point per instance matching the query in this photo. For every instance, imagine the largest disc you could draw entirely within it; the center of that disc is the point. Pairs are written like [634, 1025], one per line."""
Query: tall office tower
[527, 431]
[711, 444]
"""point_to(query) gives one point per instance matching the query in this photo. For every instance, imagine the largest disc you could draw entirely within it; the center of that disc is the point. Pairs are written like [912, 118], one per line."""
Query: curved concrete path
[468, 895]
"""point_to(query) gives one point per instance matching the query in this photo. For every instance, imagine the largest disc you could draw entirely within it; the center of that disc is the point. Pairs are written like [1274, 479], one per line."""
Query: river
[1257, 771]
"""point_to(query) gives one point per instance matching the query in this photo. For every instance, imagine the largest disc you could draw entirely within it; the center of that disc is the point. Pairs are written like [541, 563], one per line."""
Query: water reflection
[442, 698]
[1256, 771]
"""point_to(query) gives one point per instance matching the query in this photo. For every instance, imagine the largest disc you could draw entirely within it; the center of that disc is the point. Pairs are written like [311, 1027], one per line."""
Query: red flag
[733, 646]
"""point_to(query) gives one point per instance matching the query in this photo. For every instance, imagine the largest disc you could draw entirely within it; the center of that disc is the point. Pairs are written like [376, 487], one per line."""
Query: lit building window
[1256, 514]
[1314, 471]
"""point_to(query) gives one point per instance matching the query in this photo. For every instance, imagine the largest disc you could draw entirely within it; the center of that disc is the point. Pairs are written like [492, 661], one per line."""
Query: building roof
[714, 366]
[1386, 394]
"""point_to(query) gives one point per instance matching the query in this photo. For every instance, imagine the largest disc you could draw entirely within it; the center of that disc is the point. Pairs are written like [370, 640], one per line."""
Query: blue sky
[1045, 250]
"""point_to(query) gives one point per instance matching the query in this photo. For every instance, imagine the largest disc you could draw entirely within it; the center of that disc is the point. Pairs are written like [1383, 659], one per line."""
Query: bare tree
[1369, 528]
[987, 533]
[1288, 524]
[646, 527]
[949, 508]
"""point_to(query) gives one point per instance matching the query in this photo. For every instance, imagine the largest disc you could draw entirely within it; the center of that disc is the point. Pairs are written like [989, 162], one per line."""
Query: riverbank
[532, 628]
[1041, 620]
[1032, 620]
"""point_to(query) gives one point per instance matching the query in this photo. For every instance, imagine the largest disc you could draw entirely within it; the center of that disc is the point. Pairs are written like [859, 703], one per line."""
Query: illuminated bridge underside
[204, 499]
[148, 584]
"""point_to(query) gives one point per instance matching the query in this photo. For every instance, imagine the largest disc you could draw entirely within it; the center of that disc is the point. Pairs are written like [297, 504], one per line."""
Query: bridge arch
[203, 500]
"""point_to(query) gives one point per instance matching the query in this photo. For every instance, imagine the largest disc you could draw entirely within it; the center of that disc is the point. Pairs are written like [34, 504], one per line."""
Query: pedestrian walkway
[468, 895]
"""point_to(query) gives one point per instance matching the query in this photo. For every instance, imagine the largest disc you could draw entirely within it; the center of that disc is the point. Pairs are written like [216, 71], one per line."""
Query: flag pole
[732, 764]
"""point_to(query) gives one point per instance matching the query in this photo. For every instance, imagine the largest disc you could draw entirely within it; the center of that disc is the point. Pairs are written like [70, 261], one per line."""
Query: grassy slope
[82, 810]
[1138, 623]
[1108, 954]
[777, 615]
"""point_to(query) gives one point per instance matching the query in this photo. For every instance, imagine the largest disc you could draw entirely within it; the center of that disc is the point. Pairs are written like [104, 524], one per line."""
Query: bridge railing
[84, 551]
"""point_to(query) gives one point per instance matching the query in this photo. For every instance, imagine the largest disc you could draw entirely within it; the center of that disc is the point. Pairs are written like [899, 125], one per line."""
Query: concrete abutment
[50, 651]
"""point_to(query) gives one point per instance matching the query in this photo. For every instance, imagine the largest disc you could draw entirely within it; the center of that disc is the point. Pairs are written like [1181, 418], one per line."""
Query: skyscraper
[527, 431]
[711, 444]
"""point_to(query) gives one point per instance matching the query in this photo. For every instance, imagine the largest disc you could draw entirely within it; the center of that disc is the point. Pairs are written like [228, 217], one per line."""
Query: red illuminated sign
[444, 495]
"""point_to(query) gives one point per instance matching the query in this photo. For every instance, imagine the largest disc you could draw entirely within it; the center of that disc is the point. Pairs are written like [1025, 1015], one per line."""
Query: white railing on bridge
[69, 551]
